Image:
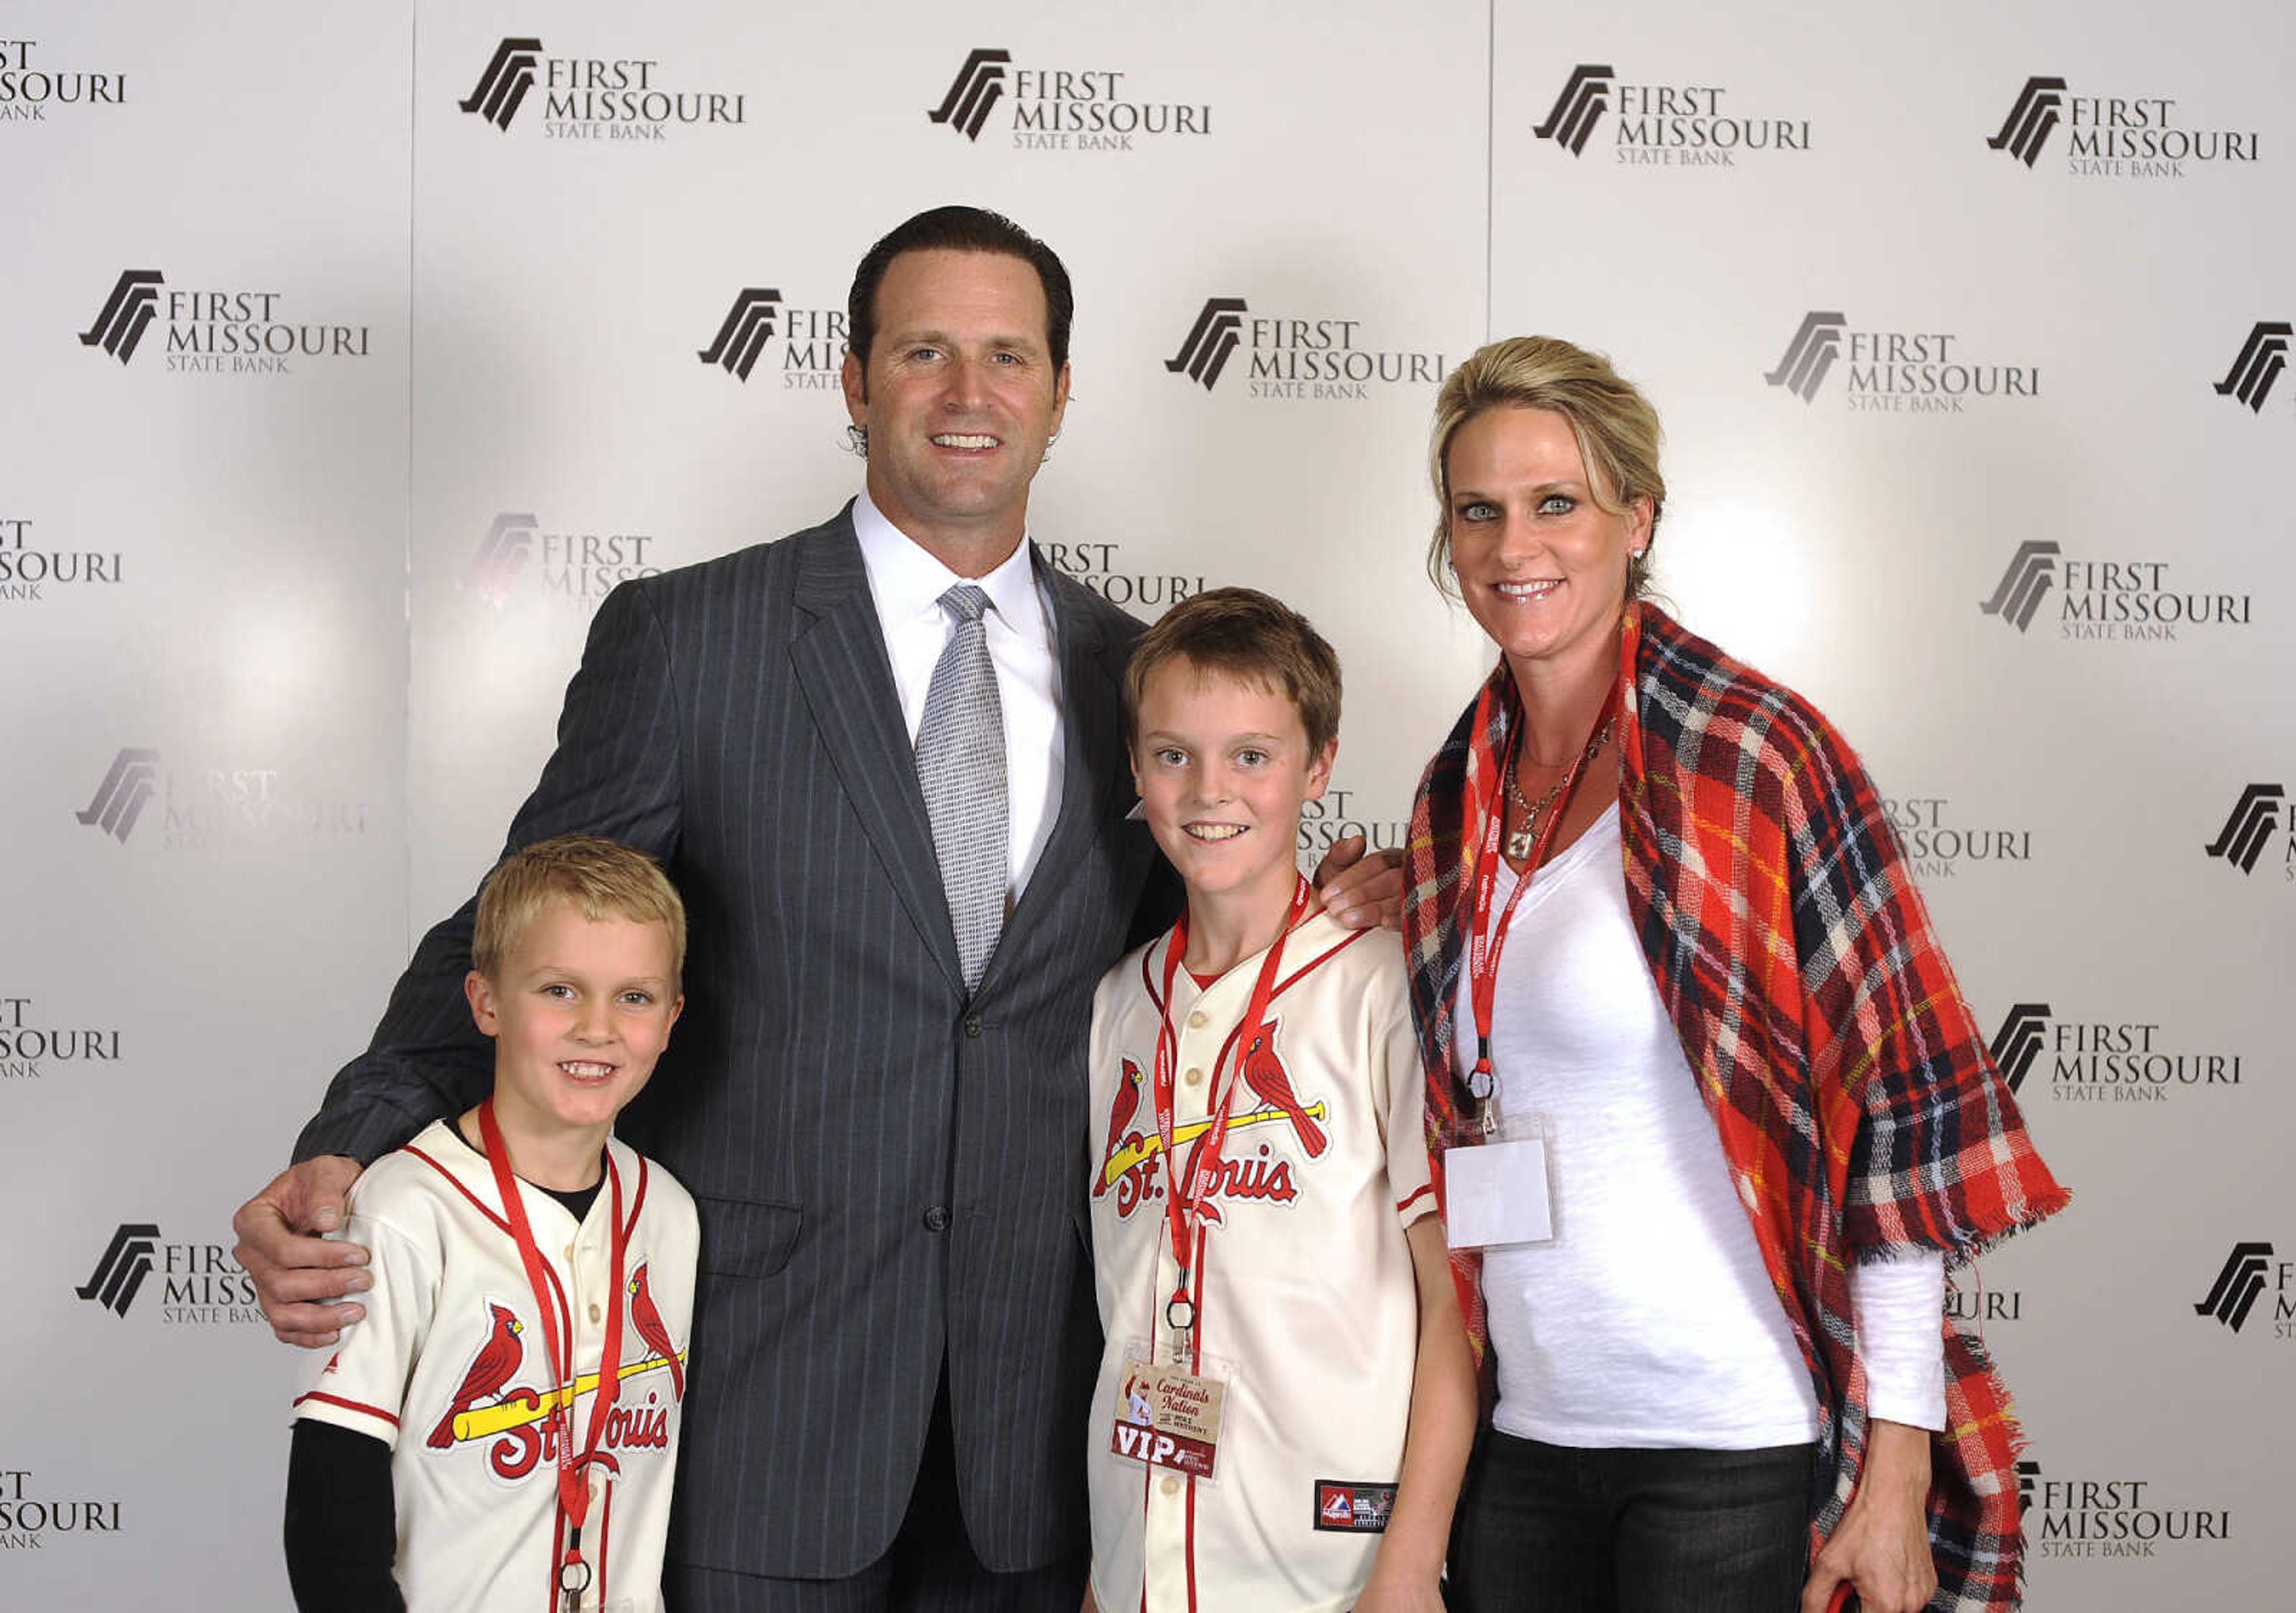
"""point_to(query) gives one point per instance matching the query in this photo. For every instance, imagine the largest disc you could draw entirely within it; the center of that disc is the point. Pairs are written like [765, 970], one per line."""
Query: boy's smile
[1222, 765]
[582, 1010]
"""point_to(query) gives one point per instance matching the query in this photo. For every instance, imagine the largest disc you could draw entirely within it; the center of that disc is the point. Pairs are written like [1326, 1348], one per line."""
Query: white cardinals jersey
[451, 1369]
[1307, 1312]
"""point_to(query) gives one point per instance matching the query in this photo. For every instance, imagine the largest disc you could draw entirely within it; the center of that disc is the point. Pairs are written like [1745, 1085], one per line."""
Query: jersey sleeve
[1402, 1092]
[361, 1385]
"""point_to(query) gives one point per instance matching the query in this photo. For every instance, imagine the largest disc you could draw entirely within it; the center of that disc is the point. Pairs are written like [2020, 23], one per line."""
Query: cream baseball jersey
[450, 1369]
[1307, 1317]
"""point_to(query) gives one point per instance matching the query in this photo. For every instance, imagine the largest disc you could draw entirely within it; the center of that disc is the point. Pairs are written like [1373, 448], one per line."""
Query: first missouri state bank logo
[120, 1270]
[1809, 356]
[580, 567]
[1578, 108]
[2238, 1286]
[30, 89]
[1674, 124]
[748, 326]
[1894, 371]
[2105, 1058]
[593, 97]
[1292, 357]
[200, 1283]
[213, 332]
[813, 340]
[2019, 1042]
[976, 88]
[2032, 572]
[2241, 840]
[2262, 356]
[502, 555]
[126, 314]
[2113, 136]
[128, 787]
[203, 807]
[1060, 108]
[1210, 342]
[501, 88]
[2120, 600]
[2031, 120]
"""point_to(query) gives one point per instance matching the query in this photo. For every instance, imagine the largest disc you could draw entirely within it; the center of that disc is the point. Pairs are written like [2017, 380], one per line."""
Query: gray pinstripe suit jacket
[886, 1172]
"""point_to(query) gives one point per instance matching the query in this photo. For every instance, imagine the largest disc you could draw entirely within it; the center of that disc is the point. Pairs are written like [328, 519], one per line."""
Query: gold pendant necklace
[1520, 843]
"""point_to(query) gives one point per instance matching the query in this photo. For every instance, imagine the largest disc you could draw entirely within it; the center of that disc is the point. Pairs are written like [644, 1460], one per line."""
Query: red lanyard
[573, 1482]
[1184, 1201]
[1484, 939]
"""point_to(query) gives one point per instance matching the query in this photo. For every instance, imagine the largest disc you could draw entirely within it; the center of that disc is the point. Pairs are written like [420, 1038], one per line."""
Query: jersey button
[1171, 1484]
[594, 1312]
[1196, 1020]
[569, 1254]
[1194, 1077]
[937, 1218]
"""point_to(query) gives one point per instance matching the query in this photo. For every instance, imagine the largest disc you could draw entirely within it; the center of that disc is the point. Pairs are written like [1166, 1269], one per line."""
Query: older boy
[515, 1250]
[1285, 1400]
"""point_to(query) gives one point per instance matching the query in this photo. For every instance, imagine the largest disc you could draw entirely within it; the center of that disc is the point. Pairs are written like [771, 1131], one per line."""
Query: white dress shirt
[906, 584]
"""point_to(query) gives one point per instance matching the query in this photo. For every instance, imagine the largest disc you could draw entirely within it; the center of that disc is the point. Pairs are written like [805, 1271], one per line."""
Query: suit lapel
[1092, 674]
[838, 650]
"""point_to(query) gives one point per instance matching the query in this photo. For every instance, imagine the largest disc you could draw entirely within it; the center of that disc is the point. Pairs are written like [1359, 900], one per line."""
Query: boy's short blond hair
[603, 878]
[1253, 638]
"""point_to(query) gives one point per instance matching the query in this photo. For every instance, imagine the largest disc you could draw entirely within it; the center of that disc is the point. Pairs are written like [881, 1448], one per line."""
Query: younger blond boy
[1286, 1398]
[523, 1260]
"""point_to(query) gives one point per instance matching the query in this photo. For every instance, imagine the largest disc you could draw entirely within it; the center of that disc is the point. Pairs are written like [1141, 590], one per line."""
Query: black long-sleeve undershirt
[343, 1522]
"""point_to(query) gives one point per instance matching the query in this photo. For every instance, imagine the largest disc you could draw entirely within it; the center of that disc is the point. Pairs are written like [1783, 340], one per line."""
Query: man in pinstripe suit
[894, 1334]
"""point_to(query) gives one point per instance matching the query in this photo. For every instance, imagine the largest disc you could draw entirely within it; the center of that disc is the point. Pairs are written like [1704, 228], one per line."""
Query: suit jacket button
[972, 1025]
[936, 1219]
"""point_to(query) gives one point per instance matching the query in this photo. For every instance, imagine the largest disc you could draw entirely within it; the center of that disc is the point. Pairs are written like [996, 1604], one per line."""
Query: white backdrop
[299, 541]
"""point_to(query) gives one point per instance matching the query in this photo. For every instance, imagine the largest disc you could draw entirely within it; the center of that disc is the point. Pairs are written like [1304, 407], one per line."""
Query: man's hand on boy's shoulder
[298, 1274]
[1360, 891]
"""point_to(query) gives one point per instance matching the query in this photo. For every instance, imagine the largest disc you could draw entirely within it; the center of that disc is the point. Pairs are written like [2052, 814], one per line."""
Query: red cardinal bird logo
[1265, 1074]
[1126, 1105]
[648, 1322]
[495, 1364]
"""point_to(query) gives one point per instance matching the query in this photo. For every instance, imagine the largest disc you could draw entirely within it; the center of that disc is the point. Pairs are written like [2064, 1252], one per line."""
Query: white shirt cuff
[1899, 1307]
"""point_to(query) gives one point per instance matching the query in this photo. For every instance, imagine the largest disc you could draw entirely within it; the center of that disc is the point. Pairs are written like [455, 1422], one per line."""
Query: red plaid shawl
[1859, 1111]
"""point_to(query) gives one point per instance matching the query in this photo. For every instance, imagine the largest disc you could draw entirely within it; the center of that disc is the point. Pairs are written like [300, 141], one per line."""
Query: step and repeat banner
[354, 352]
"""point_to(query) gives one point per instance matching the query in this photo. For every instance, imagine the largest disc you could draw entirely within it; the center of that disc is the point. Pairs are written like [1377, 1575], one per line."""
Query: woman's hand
[1881, 1549]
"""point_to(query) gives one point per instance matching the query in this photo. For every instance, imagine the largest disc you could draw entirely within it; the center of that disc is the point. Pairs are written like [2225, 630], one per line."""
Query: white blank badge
[1497, 1194]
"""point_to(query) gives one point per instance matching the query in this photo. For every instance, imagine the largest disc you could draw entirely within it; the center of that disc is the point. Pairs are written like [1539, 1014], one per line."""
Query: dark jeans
[930, 1570]
[1630, 1531]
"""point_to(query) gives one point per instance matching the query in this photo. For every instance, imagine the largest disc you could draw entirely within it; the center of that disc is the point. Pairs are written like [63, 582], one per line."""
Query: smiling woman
[1695, 1401]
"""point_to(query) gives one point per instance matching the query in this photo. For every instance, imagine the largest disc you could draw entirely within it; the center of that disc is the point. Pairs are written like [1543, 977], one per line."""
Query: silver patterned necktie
[961, 763]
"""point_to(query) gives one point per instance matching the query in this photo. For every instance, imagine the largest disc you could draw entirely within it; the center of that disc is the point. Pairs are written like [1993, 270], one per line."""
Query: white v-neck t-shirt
[1649, 1319]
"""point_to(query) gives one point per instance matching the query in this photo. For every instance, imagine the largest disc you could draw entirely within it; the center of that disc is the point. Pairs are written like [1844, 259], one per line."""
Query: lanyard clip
[573, 1576]
[1484, 1087]
[1180, 1310]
